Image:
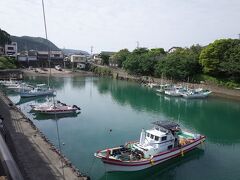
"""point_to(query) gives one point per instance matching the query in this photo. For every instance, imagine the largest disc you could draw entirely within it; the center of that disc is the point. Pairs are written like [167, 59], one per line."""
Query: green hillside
[33, 43]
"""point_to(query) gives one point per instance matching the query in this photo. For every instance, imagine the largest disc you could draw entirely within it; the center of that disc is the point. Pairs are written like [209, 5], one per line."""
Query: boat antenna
[46, 36]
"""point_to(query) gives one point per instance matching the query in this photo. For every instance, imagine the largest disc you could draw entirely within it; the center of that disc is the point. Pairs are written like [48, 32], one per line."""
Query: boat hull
[56, 112]
[116, 165]
[196, 96]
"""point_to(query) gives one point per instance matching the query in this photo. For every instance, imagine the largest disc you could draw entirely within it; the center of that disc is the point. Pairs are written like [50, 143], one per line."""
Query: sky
[111, 25]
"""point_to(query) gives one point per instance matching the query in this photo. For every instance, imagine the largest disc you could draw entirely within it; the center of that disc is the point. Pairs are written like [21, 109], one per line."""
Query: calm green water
[126, 108]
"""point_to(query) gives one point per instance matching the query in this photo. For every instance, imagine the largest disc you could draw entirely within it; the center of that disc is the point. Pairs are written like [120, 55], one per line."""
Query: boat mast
[45, 26]
[49, 64]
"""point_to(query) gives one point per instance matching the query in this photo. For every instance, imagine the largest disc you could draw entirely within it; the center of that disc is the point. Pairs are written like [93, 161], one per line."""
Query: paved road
[36, 159]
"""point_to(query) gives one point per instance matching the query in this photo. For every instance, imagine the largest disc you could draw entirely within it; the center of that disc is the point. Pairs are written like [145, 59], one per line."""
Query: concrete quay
[36, 157]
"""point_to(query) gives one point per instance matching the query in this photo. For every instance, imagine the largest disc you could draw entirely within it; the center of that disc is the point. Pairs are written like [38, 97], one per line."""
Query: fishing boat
[196, 93]
[161, 143]
[164, 87]
[152, 85]
[55, 108]
[20, 87]
[175, 91]
[39, 90]
[10, 83]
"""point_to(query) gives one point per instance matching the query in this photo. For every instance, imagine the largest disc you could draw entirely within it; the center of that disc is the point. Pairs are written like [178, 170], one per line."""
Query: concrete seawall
[35, 156]
[11, 74]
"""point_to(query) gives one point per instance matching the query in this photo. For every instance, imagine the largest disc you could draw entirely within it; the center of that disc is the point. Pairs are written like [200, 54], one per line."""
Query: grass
[7, 63]
[217, 81]
[102, 71]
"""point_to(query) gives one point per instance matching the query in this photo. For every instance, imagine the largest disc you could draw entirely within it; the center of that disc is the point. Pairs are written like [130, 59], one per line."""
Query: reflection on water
[37, 99]
[217, 119]
[78, 83]
[55, 82]
[39, 116]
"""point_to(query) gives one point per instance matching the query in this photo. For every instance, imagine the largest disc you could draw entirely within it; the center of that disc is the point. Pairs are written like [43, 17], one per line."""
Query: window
[156, 138]
[10, 48]
[152, 136]
[170, 147]
[164, 138]
[148, 134]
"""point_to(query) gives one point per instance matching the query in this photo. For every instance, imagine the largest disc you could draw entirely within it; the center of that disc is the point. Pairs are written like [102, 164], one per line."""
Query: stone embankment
[34, 154]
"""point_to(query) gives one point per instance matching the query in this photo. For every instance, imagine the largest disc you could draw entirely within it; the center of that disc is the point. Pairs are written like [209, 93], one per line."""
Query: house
[32, 55]
[97, 59]
[56, 55]
[28, 58]
[56, 58]
[11, 49]
[108, 53]
[80, 61]
[42, 55]
[112, 62]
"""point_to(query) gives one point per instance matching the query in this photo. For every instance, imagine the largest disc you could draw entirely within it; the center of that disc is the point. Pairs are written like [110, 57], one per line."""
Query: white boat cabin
[158, 139]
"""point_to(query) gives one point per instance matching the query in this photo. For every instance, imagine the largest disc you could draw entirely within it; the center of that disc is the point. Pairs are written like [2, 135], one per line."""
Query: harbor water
[114, 112]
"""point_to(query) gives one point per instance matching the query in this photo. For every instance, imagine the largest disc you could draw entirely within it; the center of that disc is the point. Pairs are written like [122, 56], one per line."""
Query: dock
[35, 156]
[7, 74]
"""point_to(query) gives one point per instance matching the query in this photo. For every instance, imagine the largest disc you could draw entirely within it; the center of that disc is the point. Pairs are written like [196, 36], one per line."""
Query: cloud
[112, 25]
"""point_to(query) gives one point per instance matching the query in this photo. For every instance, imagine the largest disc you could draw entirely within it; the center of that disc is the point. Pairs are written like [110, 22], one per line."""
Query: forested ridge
[218, 62]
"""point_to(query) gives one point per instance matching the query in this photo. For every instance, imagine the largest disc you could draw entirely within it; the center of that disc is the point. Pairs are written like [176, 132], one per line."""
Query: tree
[222, 58]
[5, 38]
[156, 54]
[180, 64]
[120, 56]
[105, 58]
[140, 64]
[139, 51]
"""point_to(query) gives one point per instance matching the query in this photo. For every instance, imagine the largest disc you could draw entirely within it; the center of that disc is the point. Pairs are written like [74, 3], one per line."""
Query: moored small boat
[197, 93]
[175, 91]
[40, 90]
[55, 108]
[164, 87]
[165, 141]
[20, 87]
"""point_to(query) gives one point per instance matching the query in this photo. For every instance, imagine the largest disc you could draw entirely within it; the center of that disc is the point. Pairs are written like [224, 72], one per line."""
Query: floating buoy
[152, 161]
[63, 143]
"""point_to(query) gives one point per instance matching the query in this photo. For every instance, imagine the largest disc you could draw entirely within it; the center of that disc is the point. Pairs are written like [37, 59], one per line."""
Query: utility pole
[91, 50]
[137, 44]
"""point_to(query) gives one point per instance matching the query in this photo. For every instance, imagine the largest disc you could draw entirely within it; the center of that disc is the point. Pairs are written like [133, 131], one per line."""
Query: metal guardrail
[8, 163]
